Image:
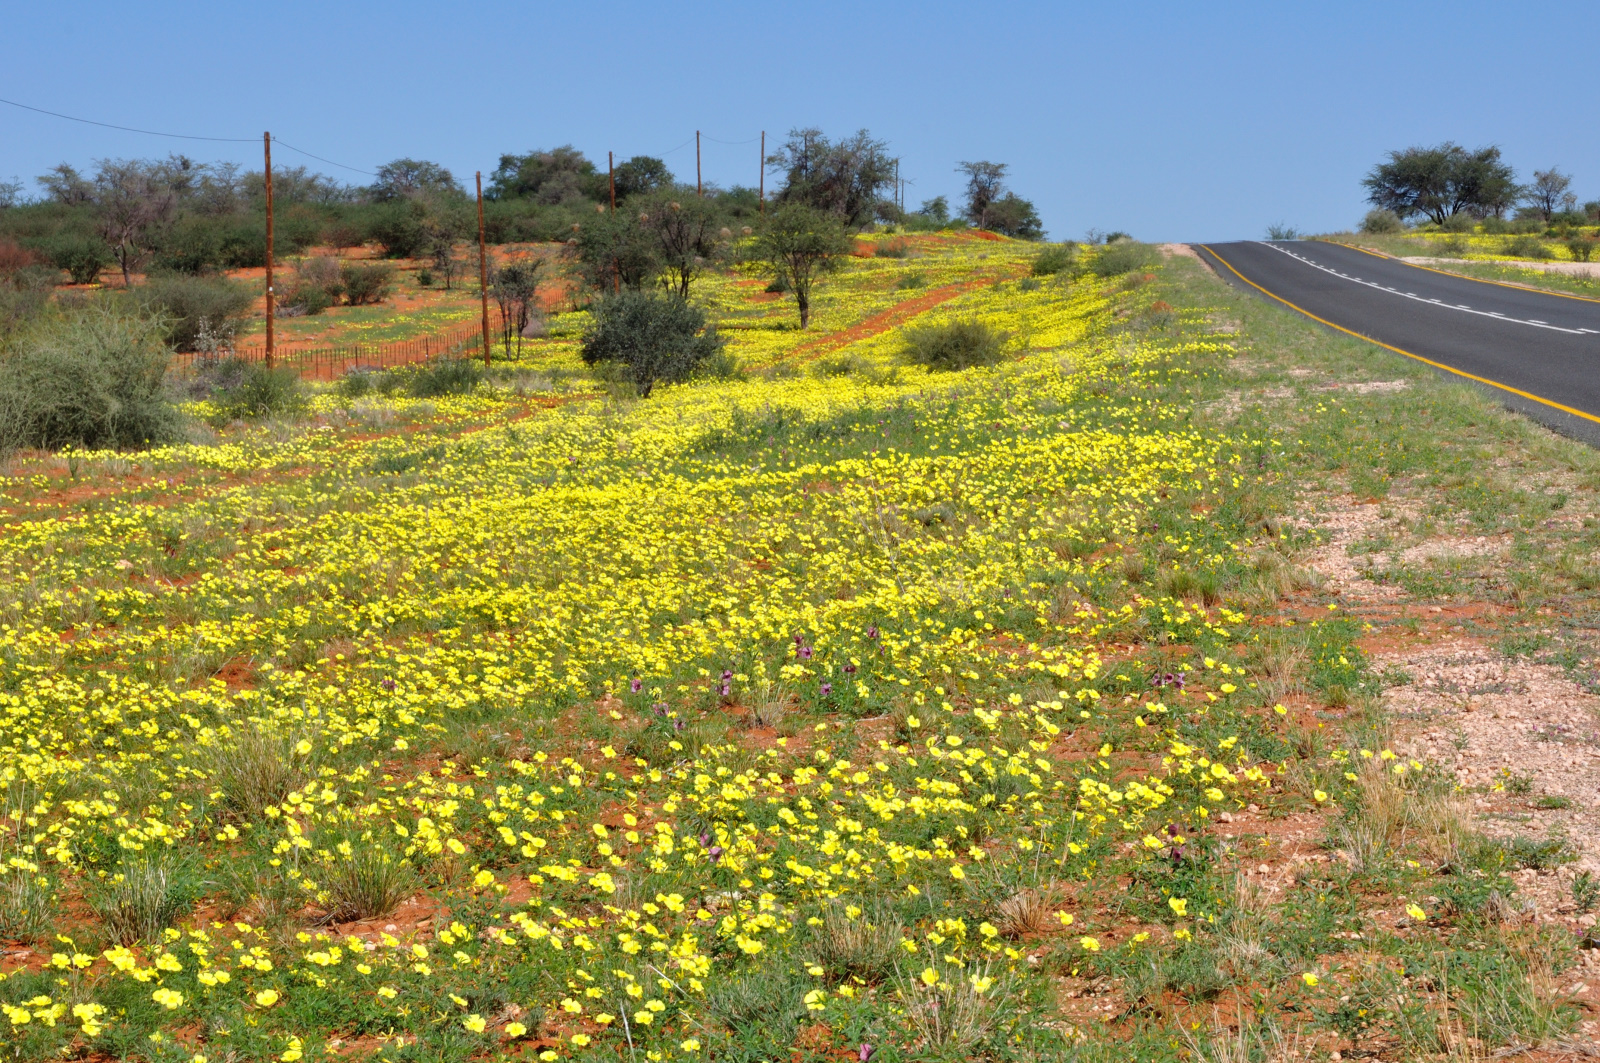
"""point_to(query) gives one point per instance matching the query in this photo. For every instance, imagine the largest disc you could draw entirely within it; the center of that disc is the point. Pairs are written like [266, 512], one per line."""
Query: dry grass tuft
[860, 945]
[1030, 911]
[1390, 814]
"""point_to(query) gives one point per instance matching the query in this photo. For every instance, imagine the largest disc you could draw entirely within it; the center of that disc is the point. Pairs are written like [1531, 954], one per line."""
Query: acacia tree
[134, 202]
[1550, 191]
[985, 183]
[1441, 181]
[516, 289]
[799, 244]
[688, 232]
[414, 179]
[616, 249]
[847, 178]
[991, 206]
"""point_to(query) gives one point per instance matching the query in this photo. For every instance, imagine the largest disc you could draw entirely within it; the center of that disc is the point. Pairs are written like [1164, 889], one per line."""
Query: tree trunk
[802, 297]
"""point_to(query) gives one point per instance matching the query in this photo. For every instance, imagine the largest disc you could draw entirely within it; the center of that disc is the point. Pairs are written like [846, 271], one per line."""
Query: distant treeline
[177, 215]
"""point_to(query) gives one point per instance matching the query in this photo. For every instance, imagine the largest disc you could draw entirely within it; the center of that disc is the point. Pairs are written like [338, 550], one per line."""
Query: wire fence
[330, 363]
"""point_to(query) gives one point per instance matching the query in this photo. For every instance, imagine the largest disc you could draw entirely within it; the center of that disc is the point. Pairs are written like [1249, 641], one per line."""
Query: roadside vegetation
[1467, 211]
[832, 706]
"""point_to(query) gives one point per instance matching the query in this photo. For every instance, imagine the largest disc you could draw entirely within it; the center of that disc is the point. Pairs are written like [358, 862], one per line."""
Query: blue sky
[1173, 121]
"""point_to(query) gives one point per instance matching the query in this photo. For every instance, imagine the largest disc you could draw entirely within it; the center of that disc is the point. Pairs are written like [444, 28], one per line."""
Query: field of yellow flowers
[837, 711]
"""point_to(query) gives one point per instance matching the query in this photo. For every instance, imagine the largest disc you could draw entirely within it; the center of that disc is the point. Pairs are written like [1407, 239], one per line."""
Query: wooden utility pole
[763, 178]
[698, 187]
[899, 190]
[266, 145]
[483, 271]
[611, 173]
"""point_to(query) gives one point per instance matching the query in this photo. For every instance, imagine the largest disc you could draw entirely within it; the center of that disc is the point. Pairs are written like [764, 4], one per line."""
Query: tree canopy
[641, 175]
[800, 243]
[991, 206]
[1442, 181]
[549, 177]
[413, 179]
[846, 178]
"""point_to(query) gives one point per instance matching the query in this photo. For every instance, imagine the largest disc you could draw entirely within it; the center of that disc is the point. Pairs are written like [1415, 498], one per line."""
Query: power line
[680, 147]
[182, 136]
[732, 143]
[319, 158]
[129, 129]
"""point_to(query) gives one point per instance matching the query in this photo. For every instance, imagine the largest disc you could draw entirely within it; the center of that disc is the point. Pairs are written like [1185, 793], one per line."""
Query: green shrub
[1527, 247]
[305, 300]
[1496, 226]
[446, 376]
[318, 283]
[1581, 247]
[190, 305]
[90, 378]
[401, 228]
[648, 338]
[1382, 221]
[24, 294]
[891, 249]
[193, 246]
[915, 279]
[243, 390]
[953, 345]
[1055, 258]
[83, 257]
[243, 245]
[722, 365]
[366, 282]
[1459, 223]
[1124, 256]
[839, 365]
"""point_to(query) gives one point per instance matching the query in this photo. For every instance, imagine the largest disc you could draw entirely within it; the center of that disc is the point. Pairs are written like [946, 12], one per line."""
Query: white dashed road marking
[1497, 315]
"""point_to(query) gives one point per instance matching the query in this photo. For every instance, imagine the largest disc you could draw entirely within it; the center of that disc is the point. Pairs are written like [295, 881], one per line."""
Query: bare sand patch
[1577, 269]
[1526, 728]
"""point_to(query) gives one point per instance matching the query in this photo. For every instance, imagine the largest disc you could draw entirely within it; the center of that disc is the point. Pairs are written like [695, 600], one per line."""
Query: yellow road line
[1389, 347]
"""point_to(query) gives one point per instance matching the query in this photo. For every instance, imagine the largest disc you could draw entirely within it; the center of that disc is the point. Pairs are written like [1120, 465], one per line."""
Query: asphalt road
[1539, 352]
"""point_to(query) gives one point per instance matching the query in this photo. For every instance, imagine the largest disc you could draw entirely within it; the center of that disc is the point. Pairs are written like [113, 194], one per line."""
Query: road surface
[1539, 352]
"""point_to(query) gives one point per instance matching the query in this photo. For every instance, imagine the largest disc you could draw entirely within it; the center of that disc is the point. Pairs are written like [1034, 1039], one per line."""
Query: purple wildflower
[387, 684]
[849, 669]
[715, 852]
[827, 689]
[805, 653]
[865, 1052]
[705, 839]
[872, 632]
[635, 685]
